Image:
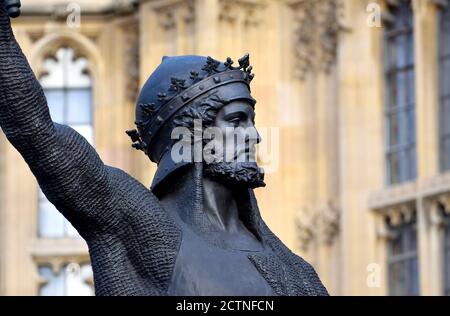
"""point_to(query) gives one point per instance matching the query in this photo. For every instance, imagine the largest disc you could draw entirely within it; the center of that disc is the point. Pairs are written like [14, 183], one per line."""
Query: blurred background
[358, 90]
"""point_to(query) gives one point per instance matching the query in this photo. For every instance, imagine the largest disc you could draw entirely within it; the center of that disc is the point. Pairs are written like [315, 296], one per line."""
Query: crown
[182, 91]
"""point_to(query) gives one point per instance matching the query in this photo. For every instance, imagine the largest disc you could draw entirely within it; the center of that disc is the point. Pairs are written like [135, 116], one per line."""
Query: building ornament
[317, 26]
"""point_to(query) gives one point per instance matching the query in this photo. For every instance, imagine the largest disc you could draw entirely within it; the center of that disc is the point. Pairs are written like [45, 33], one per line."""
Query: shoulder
[150, 235]
[303, 270]
[130, 190]
[140, 208]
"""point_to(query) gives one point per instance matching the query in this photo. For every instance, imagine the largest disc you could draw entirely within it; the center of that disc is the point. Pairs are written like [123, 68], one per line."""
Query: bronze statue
[198, 230]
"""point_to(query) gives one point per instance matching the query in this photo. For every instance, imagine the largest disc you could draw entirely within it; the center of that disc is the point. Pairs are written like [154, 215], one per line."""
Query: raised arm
[67, 168]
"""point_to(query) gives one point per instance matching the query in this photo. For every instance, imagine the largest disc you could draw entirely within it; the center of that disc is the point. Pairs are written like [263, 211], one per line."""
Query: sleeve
[68, 169]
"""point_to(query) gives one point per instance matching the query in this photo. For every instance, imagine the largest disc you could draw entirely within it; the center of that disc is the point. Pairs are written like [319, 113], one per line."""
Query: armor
[141, 241]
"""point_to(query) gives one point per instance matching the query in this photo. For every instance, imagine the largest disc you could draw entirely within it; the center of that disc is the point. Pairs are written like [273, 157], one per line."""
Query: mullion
[394, 149]
[394, 70]
[402, 257]
[406, 31]
[399, 109]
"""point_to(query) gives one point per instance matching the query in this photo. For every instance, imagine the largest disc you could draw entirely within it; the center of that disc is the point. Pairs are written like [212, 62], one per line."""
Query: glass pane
[55, 100]
[86, 131]
[401, 89]
[409, 50]
[410, 83]
[445, 77]
[413, 277]
[406, 168]
[51, 222]
[406, 8]
[445, 154]
[396, 246]
[403, 261]
[391, 50]
[64, 70]
[393, 168]
[403, 125]
[400, 48]
[75, 277]
[55, 74]
[79, 109]
[397, 278]
[410, 126]
[445, 117]
[411, 237]
[445, 31]
[392, 88]
[54, 283]
[394, 130]
[77, 76]
[70, 281]
[412, 171]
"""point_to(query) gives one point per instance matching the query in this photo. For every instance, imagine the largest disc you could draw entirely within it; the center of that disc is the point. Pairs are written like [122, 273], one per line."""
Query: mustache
[248, 149]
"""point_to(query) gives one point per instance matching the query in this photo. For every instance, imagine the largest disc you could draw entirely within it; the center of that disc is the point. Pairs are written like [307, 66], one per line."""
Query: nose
[251, 136]
[251, 124]
[258, 137]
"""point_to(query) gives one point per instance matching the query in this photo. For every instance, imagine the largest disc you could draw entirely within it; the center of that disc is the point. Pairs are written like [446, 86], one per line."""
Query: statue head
[209, 101]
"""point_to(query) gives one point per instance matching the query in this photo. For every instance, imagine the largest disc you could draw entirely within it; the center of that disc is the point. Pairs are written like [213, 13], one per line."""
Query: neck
[220, 205]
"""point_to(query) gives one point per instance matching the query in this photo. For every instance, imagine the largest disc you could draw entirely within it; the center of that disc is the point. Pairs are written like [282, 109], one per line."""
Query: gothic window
[72, 280]
[444, 86]
[68, 89]
[400, 95]
[403, 262]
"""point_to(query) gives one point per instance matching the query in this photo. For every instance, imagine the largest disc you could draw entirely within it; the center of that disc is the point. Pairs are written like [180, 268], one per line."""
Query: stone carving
[175, 12]
[320, 226]
[247, 12]
[316, 35]
[306, 228]
[329, 223]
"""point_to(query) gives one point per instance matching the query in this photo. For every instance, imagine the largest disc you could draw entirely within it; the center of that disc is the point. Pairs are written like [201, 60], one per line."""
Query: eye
[235, 121]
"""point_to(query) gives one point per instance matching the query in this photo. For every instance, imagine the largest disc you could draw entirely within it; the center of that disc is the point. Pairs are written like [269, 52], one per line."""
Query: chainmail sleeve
[67, 168]
[132, 241]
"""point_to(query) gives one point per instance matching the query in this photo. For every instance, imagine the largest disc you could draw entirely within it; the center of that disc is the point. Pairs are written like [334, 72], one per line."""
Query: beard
[242, 174]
